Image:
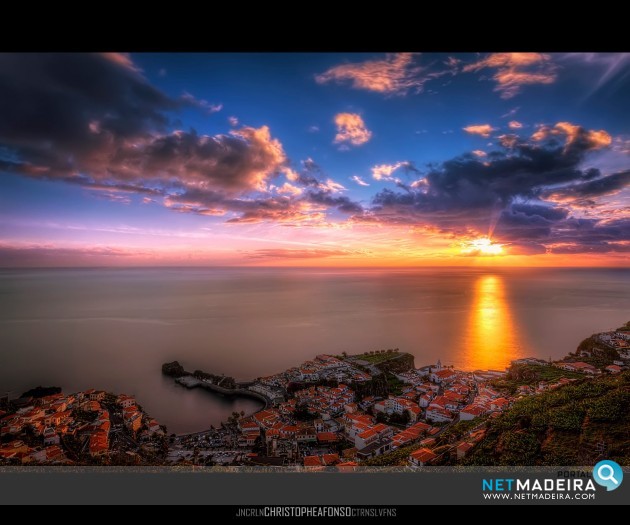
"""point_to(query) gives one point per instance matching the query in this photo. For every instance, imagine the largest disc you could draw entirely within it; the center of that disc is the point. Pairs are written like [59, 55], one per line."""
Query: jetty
[223, 385]
[193, 382]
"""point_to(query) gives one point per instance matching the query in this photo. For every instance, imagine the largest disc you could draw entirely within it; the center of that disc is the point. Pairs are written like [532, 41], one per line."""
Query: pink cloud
[359, 180]
[395, 74]
[479, 129]
[351, 129]
[514, 70]
[593, 139]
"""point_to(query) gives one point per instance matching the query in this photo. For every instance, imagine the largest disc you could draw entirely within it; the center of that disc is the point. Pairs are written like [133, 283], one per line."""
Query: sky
[399, 159]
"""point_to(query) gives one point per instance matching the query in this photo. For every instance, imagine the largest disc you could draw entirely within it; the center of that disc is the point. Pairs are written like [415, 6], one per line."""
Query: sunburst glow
[483, 246]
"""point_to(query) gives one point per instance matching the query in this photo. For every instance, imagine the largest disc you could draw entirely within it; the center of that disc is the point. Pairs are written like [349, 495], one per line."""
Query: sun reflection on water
[491, 340]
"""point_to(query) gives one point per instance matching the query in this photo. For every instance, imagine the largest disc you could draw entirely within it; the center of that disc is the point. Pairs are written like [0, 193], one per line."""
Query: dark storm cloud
[327, 198]
[94, 117]
[528, 221]
[95, 121]
[465, 183]
[48, 102]
[595, 188]
[506, 194]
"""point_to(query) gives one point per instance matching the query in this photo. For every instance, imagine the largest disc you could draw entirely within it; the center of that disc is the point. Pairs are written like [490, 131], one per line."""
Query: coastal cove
[112, 329]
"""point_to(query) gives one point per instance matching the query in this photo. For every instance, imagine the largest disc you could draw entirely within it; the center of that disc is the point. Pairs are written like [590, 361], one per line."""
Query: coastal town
[343, 411]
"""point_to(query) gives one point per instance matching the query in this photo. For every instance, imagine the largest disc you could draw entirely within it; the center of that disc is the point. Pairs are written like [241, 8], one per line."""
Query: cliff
[573, 425]
[398, 363]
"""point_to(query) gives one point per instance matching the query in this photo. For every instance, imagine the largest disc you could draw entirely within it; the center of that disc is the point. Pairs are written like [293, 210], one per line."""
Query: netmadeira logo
[608, 474]
[567, 485]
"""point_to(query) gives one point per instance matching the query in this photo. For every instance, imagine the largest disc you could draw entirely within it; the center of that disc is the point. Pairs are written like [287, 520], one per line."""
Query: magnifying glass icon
[609, 474]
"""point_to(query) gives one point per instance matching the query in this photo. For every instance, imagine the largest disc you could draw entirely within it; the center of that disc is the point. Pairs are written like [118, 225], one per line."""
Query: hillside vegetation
[572, 425]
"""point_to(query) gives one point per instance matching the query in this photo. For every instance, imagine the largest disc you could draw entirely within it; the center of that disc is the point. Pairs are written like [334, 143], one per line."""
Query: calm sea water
[112, 329]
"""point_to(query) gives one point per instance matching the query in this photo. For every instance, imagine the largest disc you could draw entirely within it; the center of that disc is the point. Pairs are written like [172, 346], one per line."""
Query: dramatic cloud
[85, 118]
[479, 153]
[479, 129]
[394, 75]
[591, 139]
[95, 121]
[519, 195]
[351, 129]
[514, 70]
[515, 124]
[359, 180]
[584, 192]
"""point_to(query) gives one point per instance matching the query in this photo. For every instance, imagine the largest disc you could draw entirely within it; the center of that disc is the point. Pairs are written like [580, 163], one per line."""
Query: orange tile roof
[326, 436]
[312, 461]
[330, 459]
[423, 455]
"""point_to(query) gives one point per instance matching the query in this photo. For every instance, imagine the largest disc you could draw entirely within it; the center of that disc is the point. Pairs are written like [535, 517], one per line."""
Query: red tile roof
[423, 455]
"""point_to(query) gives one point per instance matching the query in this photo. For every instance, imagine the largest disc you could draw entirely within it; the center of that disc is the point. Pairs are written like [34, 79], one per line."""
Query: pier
[193, 382]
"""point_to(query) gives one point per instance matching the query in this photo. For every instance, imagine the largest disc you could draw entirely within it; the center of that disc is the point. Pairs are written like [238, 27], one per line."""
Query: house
[613, 369]
[425, 400]
[414, 413]
[91, 406]
[578, 366]
[50, 436]
[288, 431]
[134, 422]
[55, 454]
[421, 457]
[312, 461]
[351, 408]
[347, 465]
[330, 460]
[471, 412]
[499, 404]
[306, 435]
[13, 449]
[251, 432]
[327, 437]
[463, 449]
[409, 435]
[126, 401]
[99, 444]
[443, 376]
[95, 395]
[373, 434]
[438, 415]
[376, 448]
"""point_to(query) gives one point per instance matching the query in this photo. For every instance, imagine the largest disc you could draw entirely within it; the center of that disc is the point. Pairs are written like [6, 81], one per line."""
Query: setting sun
[483, 246]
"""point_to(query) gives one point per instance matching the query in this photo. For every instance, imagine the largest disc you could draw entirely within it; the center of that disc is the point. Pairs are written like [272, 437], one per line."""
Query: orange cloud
[515, 124]
[289, 189]
[594, 139]
[479, 129]
[514, 70]
[395, 74]
[351, 129]
[479, 153]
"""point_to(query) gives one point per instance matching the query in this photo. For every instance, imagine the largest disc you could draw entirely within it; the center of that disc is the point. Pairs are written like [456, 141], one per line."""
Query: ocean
[113, 328]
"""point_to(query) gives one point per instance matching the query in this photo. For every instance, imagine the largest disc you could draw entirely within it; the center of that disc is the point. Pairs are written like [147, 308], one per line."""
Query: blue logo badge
[608, 474]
